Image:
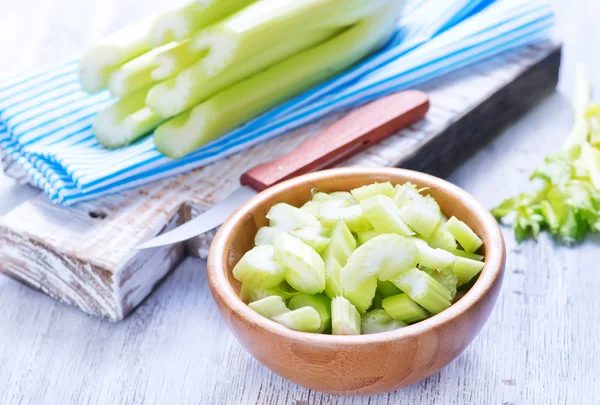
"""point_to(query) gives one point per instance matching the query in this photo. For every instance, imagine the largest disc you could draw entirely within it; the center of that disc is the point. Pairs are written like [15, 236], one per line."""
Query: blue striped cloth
[45, 119]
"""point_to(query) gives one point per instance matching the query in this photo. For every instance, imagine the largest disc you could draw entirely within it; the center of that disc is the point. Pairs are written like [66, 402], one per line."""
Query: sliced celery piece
[387, 288]
[172, 61]
[422, 214]
[377, 321]
[180, 23]
[381, 211]
[305, 268]
[364, 237]
[305, 319]
[345, 319]
[320, 197]
[286, 218]
[269, 307]
[377, 301]
[362, 297]
[125, 121]
[402, 308]
[313, 237]
[404, 193]
[465, 269]
[434, 258]
[342, 244]
[101, 59]
[469, 241]
[253, 293]
[423, 289]
[332, 284]
[462, 253]
[335, 210]
[312, 208]
[320, 302]
[442, 239]
[383, 256]
[255, 95]
[446, 277]
[265, 236]
[195, 84]
[257, 267]
[368, 191]
[343, 195]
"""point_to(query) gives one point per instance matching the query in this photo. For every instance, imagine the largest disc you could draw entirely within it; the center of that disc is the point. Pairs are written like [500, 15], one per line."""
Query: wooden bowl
[366, 364]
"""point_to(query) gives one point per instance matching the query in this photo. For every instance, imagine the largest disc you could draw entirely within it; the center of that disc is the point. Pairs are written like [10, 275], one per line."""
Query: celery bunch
[315, 269]
[567, 203]
[209, 66]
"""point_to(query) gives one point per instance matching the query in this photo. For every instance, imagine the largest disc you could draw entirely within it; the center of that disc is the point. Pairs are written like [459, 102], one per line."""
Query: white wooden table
[540, 345]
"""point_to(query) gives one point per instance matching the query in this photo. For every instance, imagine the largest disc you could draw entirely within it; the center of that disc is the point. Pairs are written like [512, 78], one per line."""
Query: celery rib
[250, 97]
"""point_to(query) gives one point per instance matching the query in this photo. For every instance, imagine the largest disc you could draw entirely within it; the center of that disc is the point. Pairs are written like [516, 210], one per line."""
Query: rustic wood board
[82, 255]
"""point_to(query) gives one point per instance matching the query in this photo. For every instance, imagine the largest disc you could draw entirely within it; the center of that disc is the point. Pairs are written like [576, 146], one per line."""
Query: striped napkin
[45, 118]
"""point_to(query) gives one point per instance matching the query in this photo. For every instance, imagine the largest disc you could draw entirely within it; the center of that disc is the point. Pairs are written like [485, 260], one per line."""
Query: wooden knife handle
[356, 131]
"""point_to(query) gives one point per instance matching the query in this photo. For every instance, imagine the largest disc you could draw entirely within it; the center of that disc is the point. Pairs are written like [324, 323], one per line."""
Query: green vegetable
[350, 213]
[362, 296]
[377, 321]
[102, 59]
[345, 319]
[305, 268]
[465, 269]
[125, 121]
[287, 218]
[313, 237]
[258, 268]
[381, 211]
[468, 239]
[422, 214]
[445, 277]
[387, 288]
[305, 319]
[342, 244]
[370, 190]
[321, 303]
[424, 290]
[567, 203]
[402, 308]
[269, 307]
[253, 293]
[433, 258]
[264, 90]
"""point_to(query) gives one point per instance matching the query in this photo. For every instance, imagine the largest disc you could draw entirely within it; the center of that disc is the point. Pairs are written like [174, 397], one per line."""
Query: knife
[356, 131]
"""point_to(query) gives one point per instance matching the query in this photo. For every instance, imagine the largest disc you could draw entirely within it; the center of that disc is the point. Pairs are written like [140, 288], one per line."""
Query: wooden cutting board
[82, 255]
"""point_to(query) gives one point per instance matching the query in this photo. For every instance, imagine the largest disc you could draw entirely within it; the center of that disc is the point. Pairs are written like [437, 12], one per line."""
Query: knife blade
[356, 131]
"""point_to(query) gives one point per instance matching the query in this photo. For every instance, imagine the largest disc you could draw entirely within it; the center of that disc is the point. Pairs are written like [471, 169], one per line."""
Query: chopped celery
[332, 284]
[180, 23]
[253, 293]
[305, 319]
[305, 268]
[364, 237]
[445, 277]
[269, 307]
[351, 214]
[441, 238]
[195, 84]
[404, 193]
[424, 290]
[320, 197]
[402, 308]
[377, 321]
[256, 94]
[465, 269]
[381, 211]
[342, 244]
[383, 256]
[312, 208]
[343, 195]
[321, 303]
[174, 60]
[368, 191]
[265, 236]
[468, 239]
[376, 304]
[421, 214]
[101, 59]
[125, 121]
[462, 253]
[362, 297]
[387, 288]
[345, 319]
[434, 258]
[258, 268]
[287, 218]
[313, 237]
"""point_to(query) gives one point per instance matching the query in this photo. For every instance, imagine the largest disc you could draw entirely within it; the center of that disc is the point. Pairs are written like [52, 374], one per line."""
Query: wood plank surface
[540, 345]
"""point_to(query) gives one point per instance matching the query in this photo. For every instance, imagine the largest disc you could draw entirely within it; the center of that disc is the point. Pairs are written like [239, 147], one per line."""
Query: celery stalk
[265, 236]
[257, 267]
[387, 288]
[468, 239]
[180, 23]
[342, 244]
[370, 190]
[364, 237]
[465, 269]
[286, 217]
[377, 321]
[253, 96]
[424, 290]
[305, 268]
[345, 319]
[100, 60]
[331, 212]
[305, 319]
[125, 121]
[269, 307]
[401, 307]
[321, 303]
[195, 84]
[362, 297]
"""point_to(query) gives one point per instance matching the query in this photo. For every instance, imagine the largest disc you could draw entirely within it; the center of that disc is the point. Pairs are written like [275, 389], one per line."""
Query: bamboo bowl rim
[492, 271]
